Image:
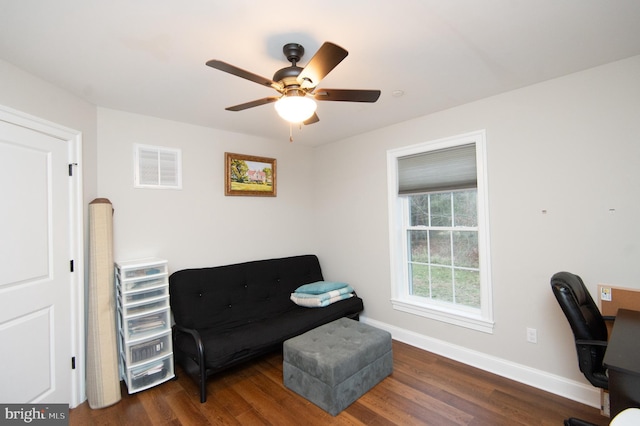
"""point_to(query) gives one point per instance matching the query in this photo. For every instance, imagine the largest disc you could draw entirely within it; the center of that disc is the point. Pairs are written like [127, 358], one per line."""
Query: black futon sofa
[226, 315]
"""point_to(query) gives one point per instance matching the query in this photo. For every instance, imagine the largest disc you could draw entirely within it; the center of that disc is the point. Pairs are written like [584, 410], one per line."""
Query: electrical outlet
[532, 335]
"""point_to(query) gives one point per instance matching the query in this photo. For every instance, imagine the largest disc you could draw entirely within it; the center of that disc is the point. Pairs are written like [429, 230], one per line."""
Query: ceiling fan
[296, 86]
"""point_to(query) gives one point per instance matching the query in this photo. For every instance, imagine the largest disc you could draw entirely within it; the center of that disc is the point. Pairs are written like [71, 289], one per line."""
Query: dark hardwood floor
[424, 389]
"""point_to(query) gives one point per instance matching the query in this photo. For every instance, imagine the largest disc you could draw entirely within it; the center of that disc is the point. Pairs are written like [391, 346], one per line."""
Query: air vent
[157, 167]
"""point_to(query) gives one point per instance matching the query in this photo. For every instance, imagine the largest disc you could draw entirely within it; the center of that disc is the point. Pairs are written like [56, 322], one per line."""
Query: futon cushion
[225, 297]
[243, 341]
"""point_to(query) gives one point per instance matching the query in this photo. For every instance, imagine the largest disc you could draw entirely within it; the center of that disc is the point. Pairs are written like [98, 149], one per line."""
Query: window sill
[462, 319]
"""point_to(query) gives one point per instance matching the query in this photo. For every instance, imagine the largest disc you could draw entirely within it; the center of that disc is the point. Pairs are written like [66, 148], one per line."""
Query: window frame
[401, 299]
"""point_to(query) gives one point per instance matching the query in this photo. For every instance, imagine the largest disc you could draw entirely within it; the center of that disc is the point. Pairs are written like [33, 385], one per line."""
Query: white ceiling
[148, 56]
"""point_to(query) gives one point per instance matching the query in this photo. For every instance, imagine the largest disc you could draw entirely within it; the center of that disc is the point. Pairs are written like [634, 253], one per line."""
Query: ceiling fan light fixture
[297, 86]
[295, 108]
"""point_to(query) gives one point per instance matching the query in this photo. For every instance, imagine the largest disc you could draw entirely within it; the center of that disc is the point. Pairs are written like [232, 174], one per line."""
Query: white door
[35, 277]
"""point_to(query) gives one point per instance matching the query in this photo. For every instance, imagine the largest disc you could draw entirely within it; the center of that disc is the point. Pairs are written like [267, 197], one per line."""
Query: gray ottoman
[336, 363]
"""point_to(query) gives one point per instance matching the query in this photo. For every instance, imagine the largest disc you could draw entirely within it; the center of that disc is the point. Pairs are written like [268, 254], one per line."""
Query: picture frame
[249, 175]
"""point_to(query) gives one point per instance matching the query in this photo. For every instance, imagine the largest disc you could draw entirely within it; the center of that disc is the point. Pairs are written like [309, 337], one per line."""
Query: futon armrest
[197, 340]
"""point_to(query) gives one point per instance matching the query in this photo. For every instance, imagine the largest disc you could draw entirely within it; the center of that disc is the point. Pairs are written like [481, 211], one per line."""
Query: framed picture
[249, 175]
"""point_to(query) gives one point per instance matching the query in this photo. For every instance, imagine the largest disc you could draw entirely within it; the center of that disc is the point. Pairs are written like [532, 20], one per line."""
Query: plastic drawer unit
[144, 323]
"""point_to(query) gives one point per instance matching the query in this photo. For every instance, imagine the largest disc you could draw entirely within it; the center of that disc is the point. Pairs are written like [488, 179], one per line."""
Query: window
[442, 247]
[157, 167]
[439, 231]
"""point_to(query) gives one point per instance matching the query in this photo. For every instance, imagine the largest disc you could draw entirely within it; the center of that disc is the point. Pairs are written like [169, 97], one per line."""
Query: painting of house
[257, 176]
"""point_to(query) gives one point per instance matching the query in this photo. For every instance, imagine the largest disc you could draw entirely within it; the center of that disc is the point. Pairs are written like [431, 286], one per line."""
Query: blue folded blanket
[321, 293]
[316, 302]
[320, 287]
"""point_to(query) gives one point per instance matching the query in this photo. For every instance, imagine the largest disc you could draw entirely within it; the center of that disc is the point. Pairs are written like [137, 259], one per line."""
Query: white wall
[198, 225]
[570, 146]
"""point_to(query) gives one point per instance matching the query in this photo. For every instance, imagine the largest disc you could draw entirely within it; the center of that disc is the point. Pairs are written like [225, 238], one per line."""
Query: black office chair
[587, 323]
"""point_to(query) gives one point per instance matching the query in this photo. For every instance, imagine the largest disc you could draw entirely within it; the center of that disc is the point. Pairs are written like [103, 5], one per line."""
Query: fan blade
[326, 58]
[231, 69]
[252, 104]
[346, 95]
[313, 119]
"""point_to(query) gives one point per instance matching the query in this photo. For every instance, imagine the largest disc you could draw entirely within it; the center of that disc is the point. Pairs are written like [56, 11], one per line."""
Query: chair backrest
[586, 323]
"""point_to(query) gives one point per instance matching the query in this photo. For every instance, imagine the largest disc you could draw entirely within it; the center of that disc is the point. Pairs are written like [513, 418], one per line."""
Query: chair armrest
[609, 317]
[196, 339]
[585, 342]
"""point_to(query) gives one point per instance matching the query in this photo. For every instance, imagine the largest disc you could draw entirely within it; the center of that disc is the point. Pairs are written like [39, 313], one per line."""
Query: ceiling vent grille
[157, 167]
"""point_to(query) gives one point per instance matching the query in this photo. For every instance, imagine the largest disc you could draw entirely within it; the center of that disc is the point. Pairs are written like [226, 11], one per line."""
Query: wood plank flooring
[424, 389]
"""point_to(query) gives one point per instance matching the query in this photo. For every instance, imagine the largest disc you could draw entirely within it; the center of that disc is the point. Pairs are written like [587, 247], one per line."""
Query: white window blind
[157, 167]
[445, 169]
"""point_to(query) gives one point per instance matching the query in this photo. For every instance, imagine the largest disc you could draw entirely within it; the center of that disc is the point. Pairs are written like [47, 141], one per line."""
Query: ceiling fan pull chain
[290, 132]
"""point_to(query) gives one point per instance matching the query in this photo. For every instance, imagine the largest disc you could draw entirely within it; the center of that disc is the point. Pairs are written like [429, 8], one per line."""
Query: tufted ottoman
[336, 363]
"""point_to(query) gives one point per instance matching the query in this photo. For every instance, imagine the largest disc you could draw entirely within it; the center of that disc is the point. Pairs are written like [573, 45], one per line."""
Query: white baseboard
[561, 386]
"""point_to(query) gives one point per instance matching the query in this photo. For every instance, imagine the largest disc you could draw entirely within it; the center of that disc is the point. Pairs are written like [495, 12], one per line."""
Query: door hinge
[71, 168]
[71, 265]
[73, 362]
